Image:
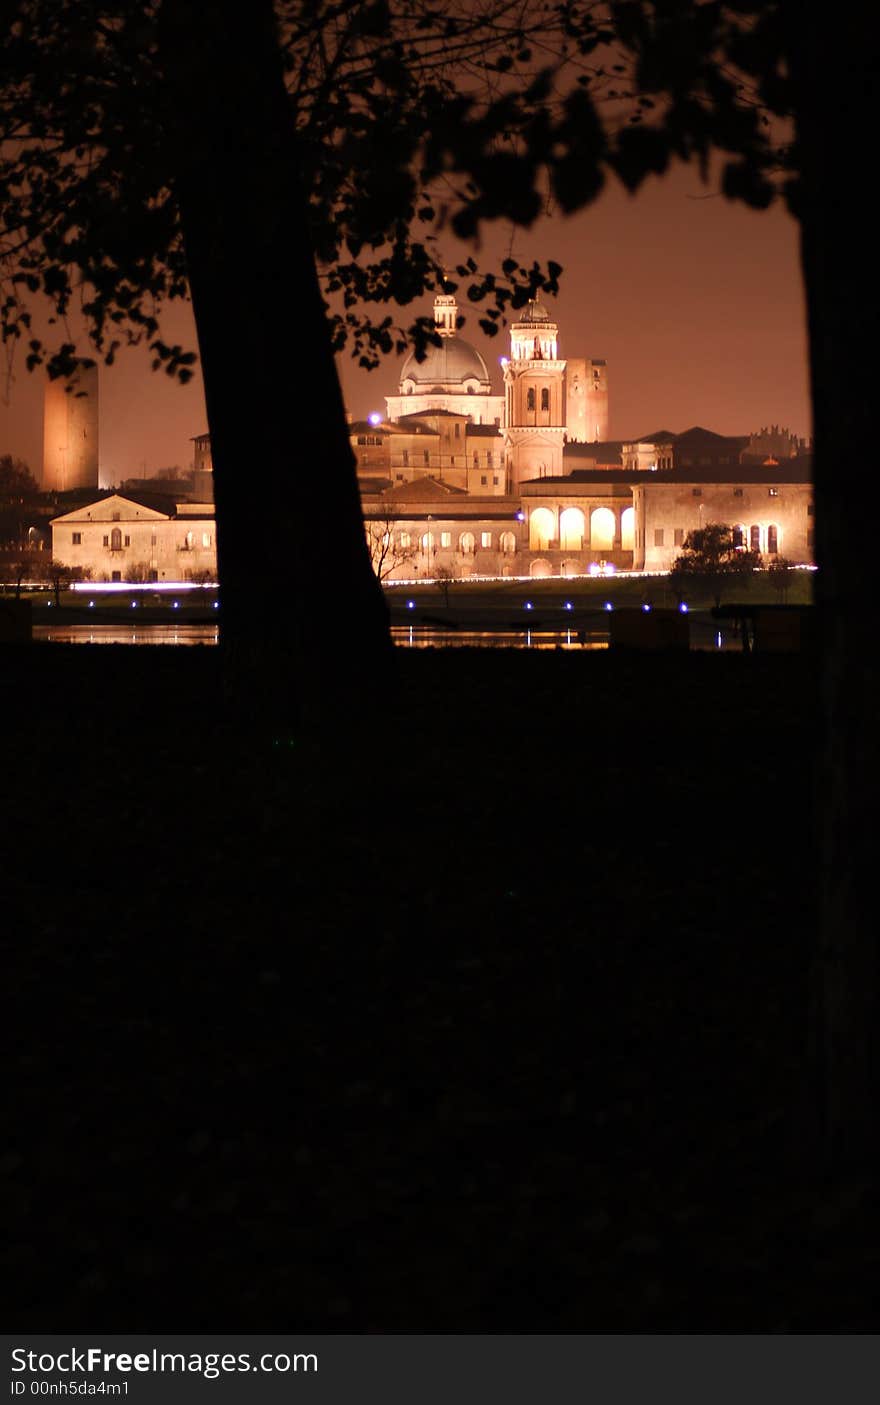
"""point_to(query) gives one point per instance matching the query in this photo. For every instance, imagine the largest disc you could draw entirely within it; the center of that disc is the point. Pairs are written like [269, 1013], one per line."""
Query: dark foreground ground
[493, 1023]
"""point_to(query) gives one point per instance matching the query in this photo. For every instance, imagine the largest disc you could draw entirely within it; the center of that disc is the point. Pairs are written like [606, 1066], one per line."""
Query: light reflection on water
[405, 636]
[703, 635]
[127, 634]
[414, 637]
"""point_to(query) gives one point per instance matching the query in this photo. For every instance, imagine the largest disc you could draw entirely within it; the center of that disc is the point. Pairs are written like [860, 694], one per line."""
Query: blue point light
[568, 605]
[176, 605]
[608, 605]
[134, 604]
[91, 604]
[646, 606]
[683, 607]
[410, 604]
[528, 605]
[216, 604]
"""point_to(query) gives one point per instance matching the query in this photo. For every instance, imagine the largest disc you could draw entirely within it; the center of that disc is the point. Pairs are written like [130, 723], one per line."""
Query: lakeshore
[553, 603]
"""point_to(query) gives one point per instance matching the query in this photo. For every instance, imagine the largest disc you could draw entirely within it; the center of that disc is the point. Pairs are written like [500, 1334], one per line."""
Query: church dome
[535, 312]
[448, 366]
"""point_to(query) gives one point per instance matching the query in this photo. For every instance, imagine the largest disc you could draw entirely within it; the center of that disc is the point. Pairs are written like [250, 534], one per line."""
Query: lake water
[127, 634]
[704, 635]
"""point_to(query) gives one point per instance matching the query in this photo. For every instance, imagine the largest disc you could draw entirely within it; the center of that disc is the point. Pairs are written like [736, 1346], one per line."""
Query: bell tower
[534, 390]
[445, 315]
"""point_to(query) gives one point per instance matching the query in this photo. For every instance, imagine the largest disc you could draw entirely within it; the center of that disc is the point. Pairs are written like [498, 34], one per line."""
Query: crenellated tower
[586, 399]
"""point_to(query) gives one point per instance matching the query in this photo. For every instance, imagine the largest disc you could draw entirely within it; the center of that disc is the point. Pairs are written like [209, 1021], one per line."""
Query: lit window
[405, 541]
[206, 538]
[773, 492]
[446, 539]
[485, 539]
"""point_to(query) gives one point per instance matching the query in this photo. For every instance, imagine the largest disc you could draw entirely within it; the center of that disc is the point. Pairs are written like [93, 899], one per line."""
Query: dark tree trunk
[303, 615]
[834, 70]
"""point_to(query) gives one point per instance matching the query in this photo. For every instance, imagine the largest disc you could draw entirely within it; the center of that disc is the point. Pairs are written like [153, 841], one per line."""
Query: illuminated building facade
[120, 539]
[540, 490]
[466, 483]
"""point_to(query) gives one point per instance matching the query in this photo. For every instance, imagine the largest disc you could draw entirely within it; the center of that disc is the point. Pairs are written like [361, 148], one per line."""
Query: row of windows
[426, 459]
[738, 492]
[470, 390]
[467, 541]
[660, 536]
[755, 536]
[116, 540]
[484, 477]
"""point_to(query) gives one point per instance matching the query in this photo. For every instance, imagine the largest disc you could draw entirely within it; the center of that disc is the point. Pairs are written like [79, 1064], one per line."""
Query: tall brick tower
[70, 432]
[534, 387]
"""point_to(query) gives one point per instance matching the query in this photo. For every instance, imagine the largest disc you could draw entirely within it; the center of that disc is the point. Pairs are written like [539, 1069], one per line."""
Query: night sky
[695, 303]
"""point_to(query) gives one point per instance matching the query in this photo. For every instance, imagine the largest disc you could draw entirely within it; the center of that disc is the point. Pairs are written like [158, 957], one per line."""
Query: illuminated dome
[449, 366]
[535, 312]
